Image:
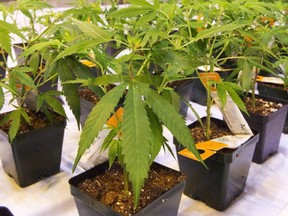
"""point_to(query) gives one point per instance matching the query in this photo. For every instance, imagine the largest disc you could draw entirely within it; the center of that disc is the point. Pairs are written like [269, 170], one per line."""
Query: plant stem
[4, 66]
[126, 182]
[253, 89]
[125, 173]
[143, 65]
[208, 114]
[254, 85]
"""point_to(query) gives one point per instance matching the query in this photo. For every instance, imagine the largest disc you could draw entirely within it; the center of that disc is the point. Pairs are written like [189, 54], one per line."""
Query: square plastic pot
[277, 93]
[166, 205]
[270, 129]
[4, 211]
[34, 155]
[2, 68]
[224, 180]
[199, 92]
[86, 107]
[184, 90]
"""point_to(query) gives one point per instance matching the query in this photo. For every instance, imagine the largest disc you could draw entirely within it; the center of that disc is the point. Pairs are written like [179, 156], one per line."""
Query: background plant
[260, 45]
[18, 83]
[207, 33]
[56, 35]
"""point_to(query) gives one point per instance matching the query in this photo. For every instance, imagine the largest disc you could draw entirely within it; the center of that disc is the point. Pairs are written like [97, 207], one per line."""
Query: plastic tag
[210, 148]
[115, 118]
[88, 63]
[207, 153]
[94, 155]
[273, 80]
[207, 68]
[232, 116]
[211, 76]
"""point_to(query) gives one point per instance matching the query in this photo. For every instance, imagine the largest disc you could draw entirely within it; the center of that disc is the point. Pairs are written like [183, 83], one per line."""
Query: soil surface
[217, 128]
[176, 84]
[108, 188]
[37, 120]
[262, 107]
[88, 95]
[275, 86]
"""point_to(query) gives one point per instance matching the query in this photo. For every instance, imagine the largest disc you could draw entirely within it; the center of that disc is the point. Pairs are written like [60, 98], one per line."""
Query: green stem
[208, 114]
[222, 51]
[126, 181]
[143, 65]
[189, 28]
[125, 173]
[254, 83]
[4, 66]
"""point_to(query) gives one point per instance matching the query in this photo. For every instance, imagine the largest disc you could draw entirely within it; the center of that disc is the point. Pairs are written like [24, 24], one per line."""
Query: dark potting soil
[275, 86]
[37, 120]
[262, 107]
[217, 129]
[176, 83]
[108, 188]
[88, 95]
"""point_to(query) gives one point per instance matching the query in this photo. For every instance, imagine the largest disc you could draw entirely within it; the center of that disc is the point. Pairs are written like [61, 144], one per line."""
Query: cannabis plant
[207, 32]
[159, 41]
[146, 32]
[46, 35]
[261, 44]
[49, 34]
[24, 81]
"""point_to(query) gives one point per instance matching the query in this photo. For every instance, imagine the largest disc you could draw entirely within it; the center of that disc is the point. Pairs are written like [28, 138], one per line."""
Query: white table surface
[266, 191]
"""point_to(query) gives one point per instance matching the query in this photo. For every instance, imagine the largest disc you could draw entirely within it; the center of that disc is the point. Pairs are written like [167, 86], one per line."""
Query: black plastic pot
[34, 155]
[4, 211]
[225, 178]
[112, 49]
[277, 93]
[49, 85]
[2, 68]
[166, 205]
[18, 49]
[184, 90]
[199, 92]
[270, 129]
[86, 107]
[276, 70]
[268, 91]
